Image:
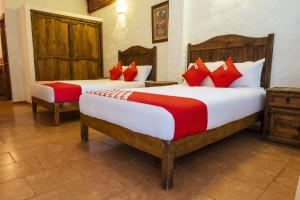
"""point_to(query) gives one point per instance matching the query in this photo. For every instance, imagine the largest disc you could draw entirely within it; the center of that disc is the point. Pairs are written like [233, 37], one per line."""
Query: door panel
[85, 70]
[52, 69]
[6, 72]
[85, 40]
[85, 49]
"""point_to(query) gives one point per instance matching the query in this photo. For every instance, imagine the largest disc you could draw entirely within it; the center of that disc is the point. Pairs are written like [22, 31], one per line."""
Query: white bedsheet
[47, 93]
[224, 105]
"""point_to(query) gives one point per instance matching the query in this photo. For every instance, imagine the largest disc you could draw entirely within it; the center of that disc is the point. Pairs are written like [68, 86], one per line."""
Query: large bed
[44, 95]
[150, 128]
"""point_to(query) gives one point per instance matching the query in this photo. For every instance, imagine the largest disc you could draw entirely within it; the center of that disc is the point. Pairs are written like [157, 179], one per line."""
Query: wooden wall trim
[59, 16]
[94, 5]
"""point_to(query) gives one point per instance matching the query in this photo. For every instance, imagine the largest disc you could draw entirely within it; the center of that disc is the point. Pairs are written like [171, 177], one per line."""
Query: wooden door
[5, 67]
[66, 48]
[85, 50]
[51, 47]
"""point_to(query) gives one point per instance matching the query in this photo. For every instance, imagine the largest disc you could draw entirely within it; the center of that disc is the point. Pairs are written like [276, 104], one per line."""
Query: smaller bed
[151, 129]
[43, 95]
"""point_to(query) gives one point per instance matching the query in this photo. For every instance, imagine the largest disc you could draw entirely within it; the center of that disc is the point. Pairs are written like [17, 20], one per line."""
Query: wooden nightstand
[159, 83]
[282, 115]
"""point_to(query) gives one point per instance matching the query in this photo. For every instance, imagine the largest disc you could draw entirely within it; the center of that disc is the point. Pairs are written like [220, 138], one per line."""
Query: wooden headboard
[142, 56]
[240, 48]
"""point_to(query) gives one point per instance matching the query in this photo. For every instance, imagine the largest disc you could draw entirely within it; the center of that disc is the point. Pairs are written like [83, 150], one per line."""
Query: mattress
[224, 105]
[47, 93]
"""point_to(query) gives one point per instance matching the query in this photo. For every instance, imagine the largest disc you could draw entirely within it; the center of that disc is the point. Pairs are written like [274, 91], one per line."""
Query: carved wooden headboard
[240, 48]
[142, 56]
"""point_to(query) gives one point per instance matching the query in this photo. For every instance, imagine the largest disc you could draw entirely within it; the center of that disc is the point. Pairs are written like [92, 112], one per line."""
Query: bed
[44, 96]
[145, 133]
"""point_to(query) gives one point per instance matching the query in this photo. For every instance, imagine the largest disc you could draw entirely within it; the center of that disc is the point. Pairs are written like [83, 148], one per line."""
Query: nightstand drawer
[285, 125]
[285, 100]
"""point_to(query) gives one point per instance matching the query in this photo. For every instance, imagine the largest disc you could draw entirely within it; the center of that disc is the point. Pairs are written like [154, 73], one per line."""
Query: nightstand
[159, 83]
[282, 115]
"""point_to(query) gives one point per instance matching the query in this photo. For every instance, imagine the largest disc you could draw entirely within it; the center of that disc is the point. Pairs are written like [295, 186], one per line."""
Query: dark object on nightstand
[159, 83]
[282, 115]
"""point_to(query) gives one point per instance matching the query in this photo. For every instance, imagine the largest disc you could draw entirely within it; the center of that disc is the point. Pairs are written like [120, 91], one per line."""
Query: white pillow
[143, 72]
[251, 74]
[123, 69]
[212, 66]
[142, 75]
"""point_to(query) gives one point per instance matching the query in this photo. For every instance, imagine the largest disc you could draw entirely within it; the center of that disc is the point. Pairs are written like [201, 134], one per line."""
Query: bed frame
[142, 56]
[218, 48]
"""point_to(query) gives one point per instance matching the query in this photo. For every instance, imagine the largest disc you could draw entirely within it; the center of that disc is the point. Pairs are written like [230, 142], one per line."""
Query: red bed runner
[190, 115]
[65, 92]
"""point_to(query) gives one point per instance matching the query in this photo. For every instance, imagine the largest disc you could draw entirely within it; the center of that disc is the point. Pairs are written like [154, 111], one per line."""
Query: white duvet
[47, 93]
[224, 105]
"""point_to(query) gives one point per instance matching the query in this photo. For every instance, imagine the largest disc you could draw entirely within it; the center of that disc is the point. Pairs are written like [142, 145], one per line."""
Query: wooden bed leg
[167, 165]
[56, 113]
[84, 133]
[34, 107]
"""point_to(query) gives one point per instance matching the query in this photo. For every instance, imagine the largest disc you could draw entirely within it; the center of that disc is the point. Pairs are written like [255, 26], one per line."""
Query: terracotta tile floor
[39, 161]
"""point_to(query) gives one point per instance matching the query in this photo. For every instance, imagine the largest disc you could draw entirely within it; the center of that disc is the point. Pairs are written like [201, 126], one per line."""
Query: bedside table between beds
[282, 115]
[159, 83]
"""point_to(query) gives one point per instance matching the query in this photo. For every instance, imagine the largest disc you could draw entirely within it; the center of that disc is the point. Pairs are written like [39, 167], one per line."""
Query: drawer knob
[288, 100]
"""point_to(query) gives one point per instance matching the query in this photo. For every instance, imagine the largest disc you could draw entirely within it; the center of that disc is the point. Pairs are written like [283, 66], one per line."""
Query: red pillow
[116, 72]
[130, 72]
[196, 74]
[225, 74]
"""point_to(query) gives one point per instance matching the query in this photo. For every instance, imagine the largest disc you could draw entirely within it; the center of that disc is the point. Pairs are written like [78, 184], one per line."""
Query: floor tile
[53, 195]
[266, 161]
[222, 188]
[88, 167]
[252, 175]
[196, 195]
[10, 146]
[20, 169]
[277, 191]
[5, 159]
[16, 189]
[289, 177]
[294, 162]
[280, 151]
[55, 159]
[28, 153]
[203, 168]
[95, 187]
[49, 180]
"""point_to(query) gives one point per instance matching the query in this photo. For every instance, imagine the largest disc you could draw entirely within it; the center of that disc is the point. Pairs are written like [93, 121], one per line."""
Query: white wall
[177, 40]
[134, 29]
[208, 18]
[15, 54]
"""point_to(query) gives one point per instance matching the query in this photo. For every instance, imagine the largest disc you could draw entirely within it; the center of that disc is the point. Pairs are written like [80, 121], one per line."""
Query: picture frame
[160, 22]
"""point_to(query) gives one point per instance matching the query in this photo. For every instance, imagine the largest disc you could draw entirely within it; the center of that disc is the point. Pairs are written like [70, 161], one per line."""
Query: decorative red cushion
[116, 71]
[196, 74]
[225, 74]
[130, 72]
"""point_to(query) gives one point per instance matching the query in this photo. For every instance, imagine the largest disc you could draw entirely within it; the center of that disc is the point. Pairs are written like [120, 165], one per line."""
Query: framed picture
[160, 22]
